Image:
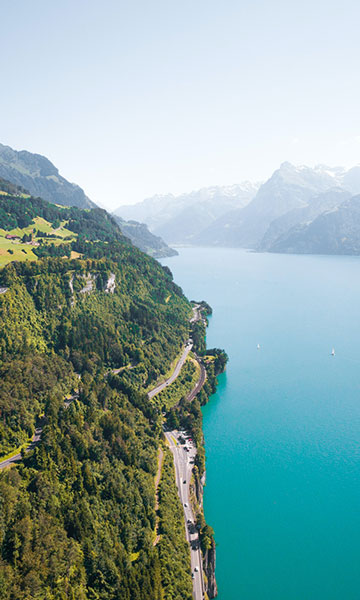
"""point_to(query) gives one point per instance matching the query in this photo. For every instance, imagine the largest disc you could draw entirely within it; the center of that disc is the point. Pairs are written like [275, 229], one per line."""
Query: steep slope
[77, 516]
[350, 180]
[141, 237]
[31, 227]
[333, 232]
[22, 214]
[287, 189]
[40, 177]
[302, 216]
[180, 218]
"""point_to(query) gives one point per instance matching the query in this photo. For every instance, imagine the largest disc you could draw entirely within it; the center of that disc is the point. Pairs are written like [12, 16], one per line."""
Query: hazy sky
[133, 98]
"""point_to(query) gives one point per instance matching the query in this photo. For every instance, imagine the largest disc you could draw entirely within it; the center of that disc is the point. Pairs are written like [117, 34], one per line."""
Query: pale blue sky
[134, 98]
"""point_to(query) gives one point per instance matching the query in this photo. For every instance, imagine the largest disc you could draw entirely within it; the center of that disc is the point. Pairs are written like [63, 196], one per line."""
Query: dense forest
[77, 516]
[81, 340]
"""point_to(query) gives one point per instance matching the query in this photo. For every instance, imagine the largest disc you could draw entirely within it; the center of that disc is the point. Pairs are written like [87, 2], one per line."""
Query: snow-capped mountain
[261, 217]
[181, 218]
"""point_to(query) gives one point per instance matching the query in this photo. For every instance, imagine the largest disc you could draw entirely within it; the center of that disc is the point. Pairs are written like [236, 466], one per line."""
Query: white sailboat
[333, 352]
[258, 346]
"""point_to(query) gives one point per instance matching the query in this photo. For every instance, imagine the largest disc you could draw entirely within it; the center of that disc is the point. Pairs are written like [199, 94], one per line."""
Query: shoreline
[186, 442]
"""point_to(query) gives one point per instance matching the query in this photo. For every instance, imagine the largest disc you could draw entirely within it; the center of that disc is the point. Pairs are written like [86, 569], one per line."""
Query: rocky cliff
[208, 546]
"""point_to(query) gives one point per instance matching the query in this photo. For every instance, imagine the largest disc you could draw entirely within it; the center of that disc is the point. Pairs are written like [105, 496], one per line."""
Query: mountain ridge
[39, 176]
[288, 201]
[172, 217]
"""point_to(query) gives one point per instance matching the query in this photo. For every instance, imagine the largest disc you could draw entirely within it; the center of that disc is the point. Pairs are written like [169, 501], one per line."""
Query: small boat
[258, 346]
[333, 352]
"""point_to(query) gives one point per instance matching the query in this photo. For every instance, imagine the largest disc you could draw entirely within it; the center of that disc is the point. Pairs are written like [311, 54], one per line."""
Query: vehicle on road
[186, 504]
[184, 481]
[196, 569]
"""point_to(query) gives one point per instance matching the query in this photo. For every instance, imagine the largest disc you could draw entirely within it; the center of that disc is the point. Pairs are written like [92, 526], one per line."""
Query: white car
[196, 569]
[186, 504]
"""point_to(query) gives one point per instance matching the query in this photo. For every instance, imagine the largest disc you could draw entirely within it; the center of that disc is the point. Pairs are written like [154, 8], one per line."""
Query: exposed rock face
[110, 285]
[209, 557]
[89, 284]
[209, 569]
[41, 178]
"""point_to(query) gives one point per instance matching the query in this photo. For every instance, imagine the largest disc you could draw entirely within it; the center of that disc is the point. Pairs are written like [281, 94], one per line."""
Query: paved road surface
[14, 459]
[183, 470]
[34, 440]
[175, 373]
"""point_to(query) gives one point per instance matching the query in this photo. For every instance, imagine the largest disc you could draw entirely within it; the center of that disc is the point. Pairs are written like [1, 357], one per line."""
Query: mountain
[335, 231]
[247, 215]
[350, 180]
[280, 227]
[141, 237]
[179, 219]
[287, 189]
[40, 177]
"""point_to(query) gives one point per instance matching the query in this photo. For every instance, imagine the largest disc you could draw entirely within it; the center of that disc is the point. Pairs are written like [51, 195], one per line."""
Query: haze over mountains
[298, 209]
[36, 174]
[181, 218]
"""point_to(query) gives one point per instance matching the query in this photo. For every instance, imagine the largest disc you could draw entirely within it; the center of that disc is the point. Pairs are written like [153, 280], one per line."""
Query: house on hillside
[12, 237]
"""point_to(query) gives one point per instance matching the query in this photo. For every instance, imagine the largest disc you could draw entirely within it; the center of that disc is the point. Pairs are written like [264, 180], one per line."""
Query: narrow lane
[14, 459]
[188, 346]
[35, 438]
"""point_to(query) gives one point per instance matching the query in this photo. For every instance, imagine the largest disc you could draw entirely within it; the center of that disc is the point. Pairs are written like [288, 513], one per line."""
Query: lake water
[283, 431]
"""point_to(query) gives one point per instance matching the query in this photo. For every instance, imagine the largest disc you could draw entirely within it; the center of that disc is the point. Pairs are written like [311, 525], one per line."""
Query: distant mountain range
[182, 218]
[298, 210]
[37, 175]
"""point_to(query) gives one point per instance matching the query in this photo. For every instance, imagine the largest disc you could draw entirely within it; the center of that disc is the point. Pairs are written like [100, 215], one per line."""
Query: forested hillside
[141, 237]
[80, 340]
[44, 223]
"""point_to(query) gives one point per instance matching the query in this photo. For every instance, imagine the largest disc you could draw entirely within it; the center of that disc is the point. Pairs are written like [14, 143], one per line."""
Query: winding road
[159, 388]
[183, 461]
[34, 440]
[14, 459]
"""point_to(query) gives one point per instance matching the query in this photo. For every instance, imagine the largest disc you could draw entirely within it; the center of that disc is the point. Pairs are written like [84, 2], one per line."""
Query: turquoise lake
[282, 432]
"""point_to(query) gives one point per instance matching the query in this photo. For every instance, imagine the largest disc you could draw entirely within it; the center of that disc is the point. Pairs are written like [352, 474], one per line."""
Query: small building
[12, 237]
